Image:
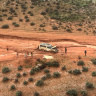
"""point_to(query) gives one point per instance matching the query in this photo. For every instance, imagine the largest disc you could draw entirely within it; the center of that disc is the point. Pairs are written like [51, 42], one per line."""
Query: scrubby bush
[39, 83]
[5, 79]
[42, 25]
[43, 78]
[68, 30]
[46, 71]
[25, 83]
[12, 87]
[32, 23]
[30, 79]
[6, 26]
[18, 93]
[5, 70]
[72, 92]
[36, 94]
[89, 85]
[16, 80]
[21, 20]
[32, 72]
[56, 75]
[94, 74]
[48, 75]
[70, 71]
[20, 68]
[85, 69]
[54, 27]
[93, 61]
[18, 75]
[16, 25]
[80, 63]
[10, 18]
[43, 13]
[53, 64]
[84, 93]
[63, 68]
[76, 72]
[24, 74]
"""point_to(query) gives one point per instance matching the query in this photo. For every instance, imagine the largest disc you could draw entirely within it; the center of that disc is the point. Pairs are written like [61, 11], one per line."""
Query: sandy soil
[23, 42]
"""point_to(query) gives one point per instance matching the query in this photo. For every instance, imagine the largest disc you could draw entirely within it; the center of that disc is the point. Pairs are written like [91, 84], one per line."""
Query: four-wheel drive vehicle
[47, 47]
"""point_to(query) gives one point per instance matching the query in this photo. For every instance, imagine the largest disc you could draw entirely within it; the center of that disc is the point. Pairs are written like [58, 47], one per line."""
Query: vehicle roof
[46, 44]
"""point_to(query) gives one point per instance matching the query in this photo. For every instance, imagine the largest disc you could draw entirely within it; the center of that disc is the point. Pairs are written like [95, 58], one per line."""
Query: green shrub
[84, 93]
[56, 75]
[18, 75]
[24, 74]
[80, 63]
[12, 87]
[94, 74]
[43, 78]
[16, 25]
[68, 30]
[48, 75]
[46, 71]
[19, 68]
[10, 18]
[39, 83]
[43, 13]
[32, 72]
[53, 64]
[54, 27]
[6, 26]
[5, 70]
[5, 79]
[70, 71]
[19, 93]
[36, 94]
[93, 61]
[76, 72]
[85, 69]
[79, 29]
[42, 25]
[30, 79]
[72, 92]
[32, 23]
[89, 85]
[63, 68]
[16, 80]
[25, 83]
